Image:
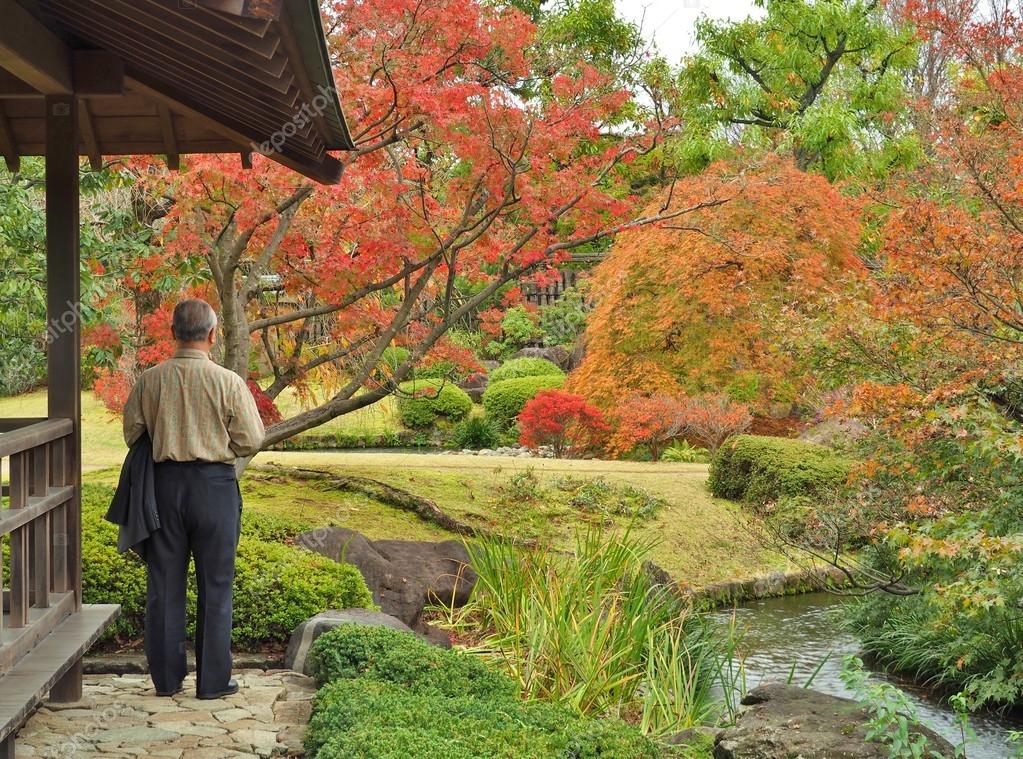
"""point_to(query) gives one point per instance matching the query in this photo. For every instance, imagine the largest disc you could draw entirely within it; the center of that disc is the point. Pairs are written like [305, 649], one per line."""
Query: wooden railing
[38, 511]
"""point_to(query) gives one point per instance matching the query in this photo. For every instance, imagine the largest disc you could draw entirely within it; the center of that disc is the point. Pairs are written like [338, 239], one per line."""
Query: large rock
[556, 354]
[302, 638]
[475, 385]
[785, 721]
[404, 576]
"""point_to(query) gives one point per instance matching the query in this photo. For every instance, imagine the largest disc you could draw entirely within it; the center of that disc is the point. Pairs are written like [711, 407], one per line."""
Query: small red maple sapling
[564, 421]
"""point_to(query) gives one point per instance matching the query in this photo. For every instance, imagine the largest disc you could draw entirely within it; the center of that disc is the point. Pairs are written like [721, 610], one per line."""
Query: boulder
[303, 636]
[475, 385]
[556, 354]
[784, 721]
[404, 576]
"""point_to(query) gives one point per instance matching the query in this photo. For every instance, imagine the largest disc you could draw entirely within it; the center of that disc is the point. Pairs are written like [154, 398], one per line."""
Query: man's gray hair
[193, 320]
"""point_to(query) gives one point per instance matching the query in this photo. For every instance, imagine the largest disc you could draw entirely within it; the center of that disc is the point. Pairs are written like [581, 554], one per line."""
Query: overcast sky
[671, 22]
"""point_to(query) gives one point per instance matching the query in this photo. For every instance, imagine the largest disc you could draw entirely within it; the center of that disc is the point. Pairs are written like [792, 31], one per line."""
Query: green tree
[115, 232]
[822, 80]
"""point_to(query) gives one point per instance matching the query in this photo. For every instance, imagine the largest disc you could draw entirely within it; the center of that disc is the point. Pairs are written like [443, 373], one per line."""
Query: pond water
[801, 630]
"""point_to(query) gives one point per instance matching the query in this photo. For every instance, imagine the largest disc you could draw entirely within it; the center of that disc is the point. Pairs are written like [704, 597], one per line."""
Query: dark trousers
[200, 514]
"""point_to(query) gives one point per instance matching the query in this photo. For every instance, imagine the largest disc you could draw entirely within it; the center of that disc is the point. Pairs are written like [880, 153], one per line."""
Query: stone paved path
[121, 717]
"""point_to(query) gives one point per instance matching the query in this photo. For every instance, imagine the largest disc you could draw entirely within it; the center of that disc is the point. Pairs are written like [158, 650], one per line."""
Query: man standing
[200, 417]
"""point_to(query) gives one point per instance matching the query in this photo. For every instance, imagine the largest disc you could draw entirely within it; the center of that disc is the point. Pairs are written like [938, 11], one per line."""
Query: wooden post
[63, 309]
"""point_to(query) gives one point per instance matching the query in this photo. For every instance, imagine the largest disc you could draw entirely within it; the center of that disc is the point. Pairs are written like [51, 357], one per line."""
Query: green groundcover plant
[276, 586]
[388, 695]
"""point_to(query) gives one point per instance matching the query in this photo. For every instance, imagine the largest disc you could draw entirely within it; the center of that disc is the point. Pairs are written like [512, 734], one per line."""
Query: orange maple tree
[952, 256]
[694, 306]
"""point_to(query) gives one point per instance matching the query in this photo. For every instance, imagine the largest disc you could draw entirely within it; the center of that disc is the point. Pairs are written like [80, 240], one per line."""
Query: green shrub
[440, 370]
[519, 328]
[273, 527]
[23, 367]
[393, 357]
[364, 718]
[525, 367]
[564, 320]
[423, 402]
[358, 651]
[504, 400]
[477, 432]
[276, 586]
[684, 452]
[762, 469]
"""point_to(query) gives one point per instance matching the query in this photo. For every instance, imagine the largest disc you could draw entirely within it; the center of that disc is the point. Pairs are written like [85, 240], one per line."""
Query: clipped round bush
[278, 586]
[525, 367]
[505, 400]
[761, 469]
[275, 587]
[424, 402]
[348, 652]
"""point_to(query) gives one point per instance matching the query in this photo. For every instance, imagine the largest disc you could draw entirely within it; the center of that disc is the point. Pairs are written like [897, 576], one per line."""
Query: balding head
[194, 320]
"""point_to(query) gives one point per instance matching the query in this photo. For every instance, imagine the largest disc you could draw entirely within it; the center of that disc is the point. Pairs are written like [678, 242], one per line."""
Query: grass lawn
[701, 539]
[102, 445]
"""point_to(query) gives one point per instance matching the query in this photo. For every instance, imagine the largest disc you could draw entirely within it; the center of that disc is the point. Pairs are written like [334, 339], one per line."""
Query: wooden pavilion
[118, 77]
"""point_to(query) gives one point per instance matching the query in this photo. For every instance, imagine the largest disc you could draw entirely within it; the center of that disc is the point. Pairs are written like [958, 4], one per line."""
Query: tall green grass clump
[592, 630]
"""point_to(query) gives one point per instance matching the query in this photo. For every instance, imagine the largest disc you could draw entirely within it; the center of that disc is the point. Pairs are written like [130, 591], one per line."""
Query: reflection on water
[801, 630]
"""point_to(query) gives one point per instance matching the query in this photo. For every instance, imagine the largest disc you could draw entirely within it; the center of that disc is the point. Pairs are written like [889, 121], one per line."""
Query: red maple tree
[564, 421]
[463, 180]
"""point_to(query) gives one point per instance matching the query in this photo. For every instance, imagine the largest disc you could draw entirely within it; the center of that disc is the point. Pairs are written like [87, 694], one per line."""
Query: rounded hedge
[761, 469]
[389, 695]
[505, 400]
[276, 586]
[525, 367]
[425, 401]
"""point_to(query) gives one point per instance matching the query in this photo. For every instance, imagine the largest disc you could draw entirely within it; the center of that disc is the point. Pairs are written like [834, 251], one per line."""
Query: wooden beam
[12, 88]
[326, 171]
[32, 52]
[261, 9]
[89, 136]
[98, 73]
[8, 145]
[170, 139]
[63, 308]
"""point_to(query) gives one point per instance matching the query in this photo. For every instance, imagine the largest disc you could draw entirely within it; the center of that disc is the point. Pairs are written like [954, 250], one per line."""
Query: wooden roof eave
[283, 42]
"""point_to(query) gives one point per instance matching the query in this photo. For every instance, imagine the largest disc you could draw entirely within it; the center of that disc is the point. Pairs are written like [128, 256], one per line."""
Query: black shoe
[232, 687]
[166, 693]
